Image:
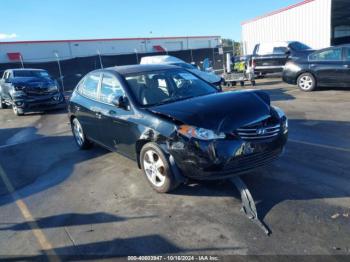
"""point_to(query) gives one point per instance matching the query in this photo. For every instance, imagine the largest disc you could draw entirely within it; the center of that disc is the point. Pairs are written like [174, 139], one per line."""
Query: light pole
[100, 58]
[59, 69]
[21, 59]
[213, 57]
[137, 56]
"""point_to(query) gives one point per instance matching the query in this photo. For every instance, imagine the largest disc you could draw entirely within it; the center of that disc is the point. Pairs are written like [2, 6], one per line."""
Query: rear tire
[306, 82]
[157, 169]
[79, 135]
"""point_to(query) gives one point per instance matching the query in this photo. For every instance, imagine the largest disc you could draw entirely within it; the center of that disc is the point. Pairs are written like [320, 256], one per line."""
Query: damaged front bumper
[47, 102]
[219, 159]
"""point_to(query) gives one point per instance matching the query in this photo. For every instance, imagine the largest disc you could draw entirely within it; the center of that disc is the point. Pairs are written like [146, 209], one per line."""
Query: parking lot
[70, 202]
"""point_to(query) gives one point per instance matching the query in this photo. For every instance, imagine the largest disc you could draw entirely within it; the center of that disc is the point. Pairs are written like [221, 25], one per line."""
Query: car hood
[220, 112]
[209, 77]
[32, 82]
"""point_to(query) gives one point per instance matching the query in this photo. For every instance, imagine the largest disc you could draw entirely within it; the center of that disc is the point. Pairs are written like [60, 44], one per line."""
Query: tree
[230, 45]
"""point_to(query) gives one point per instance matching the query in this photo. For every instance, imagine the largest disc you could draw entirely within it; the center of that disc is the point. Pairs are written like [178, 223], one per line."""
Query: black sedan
[327, 67]
[175, 125]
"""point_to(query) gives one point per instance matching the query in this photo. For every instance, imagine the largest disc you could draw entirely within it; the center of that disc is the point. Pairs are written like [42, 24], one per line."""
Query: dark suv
[175, 124]
[29, 90]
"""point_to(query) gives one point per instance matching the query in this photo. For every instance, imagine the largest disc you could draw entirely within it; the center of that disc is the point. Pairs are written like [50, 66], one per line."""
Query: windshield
[299, 46]
[166, 86]
[30, 73]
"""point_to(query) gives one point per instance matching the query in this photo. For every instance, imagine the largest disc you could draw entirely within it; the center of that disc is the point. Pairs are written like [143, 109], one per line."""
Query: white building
[317, 23]
[43, 51]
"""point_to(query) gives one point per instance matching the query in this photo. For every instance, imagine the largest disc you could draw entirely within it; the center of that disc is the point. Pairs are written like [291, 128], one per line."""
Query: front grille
[259, 133]
[263, 130]
[38, 92]
[253, 161]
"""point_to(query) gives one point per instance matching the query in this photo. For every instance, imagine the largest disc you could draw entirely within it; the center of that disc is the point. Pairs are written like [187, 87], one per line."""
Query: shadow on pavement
[47, 161]
[70, 219]
[150, 245]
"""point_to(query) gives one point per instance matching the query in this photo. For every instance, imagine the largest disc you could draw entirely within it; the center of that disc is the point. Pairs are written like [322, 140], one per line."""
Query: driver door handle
[346, 66]
[112, 112]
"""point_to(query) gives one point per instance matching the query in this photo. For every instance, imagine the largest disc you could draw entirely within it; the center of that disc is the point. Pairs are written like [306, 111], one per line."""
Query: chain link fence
[72, 70]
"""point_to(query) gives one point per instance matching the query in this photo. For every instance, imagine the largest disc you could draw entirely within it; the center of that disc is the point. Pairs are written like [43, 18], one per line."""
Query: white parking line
[38, 233]
[320, 145]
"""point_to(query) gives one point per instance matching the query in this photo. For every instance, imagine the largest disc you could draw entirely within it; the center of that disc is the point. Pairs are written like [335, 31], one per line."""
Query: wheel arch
[138, 147]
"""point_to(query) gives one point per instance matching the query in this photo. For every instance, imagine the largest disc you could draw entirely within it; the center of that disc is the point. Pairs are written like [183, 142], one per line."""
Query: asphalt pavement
[57, 200]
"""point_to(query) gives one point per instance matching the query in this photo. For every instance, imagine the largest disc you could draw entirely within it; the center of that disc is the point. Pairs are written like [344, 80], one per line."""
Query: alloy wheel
[154, 168]
[78, 132]
[306, 82]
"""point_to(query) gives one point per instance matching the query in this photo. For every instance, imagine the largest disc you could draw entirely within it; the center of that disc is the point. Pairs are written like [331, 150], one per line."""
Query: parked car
[208, 76]
[271, 57]
[174, 124]
[326, 67]
[29, 90]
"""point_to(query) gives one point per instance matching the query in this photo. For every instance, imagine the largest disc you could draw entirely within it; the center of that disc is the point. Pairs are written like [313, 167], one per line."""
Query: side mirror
[120, 102]
[288, 52]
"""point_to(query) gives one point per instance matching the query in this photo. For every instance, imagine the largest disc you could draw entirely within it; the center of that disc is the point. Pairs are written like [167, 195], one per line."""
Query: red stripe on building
[158, 48]
[14, 56]
[278, 11]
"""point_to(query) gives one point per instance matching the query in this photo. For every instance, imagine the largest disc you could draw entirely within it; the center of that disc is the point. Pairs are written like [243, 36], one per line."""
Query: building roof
[277, 11]
[104, 39]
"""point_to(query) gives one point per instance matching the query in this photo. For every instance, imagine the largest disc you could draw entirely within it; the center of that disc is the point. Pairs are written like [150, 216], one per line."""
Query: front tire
[306, 82]
[79, 135]
[157, 168]
[2, 103]
[17, 111]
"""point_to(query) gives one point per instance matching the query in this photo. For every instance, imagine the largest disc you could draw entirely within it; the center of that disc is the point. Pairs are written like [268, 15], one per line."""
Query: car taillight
[253, 63]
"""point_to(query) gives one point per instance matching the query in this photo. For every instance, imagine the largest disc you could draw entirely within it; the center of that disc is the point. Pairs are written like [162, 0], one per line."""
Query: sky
[84, 19]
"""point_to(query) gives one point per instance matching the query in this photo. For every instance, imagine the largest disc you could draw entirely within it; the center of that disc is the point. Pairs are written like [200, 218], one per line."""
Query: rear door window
[90, 86]
[110, 88]
[334, 54]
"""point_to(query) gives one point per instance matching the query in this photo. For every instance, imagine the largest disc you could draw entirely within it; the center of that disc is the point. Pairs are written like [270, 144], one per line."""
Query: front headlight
[16, 93]
[199, 133]
[283, 118]
[18, 88]
[53, 88]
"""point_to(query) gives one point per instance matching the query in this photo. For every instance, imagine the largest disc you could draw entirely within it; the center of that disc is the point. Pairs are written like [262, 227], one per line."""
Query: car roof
[134, 69]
